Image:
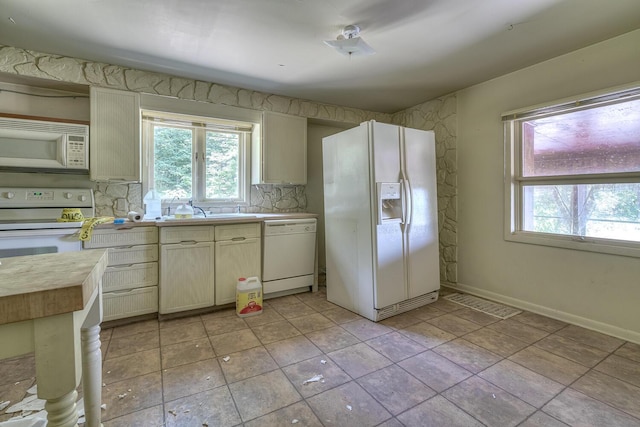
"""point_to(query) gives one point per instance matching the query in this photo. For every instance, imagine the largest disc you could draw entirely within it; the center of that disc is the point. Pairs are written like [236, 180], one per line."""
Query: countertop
[45, 285]
[215, 220]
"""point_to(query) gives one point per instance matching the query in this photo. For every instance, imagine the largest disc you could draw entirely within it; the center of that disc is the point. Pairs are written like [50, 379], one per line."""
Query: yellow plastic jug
[248, 297]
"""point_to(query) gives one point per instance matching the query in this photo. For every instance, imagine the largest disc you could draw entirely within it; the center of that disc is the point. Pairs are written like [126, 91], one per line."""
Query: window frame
[199, 125]
[515, 182]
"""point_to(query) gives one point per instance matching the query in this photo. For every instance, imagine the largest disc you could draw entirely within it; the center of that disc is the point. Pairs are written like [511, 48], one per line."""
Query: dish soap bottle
[184, 211]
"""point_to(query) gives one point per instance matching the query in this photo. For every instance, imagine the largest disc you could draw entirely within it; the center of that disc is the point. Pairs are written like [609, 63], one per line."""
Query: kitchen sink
[173, 218]
[231, 215]
[211, 216]
[227, 215]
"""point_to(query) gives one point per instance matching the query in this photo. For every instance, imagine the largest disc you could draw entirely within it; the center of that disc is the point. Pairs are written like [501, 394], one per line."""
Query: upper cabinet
[114, 148]
[279, 154]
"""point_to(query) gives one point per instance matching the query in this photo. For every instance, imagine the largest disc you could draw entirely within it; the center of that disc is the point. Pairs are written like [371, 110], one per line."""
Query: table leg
[59, 362]
[62, 411]
[57, 353]
[92, 366]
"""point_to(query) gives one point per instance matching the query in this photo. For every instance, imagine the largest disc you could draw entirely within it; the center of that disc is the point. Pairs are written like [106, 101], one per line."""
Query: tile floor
[440, 365]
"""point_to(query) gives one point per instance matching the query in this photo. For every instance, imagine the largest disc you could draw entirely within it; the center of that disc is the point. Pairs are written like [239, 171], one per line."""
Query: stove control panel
[46, 197]
[39, 195]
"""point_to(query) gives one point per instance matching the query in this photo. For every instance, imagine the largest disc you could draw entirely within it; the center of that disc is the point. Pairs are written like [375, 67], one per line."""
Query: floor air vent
[407, 305]
[488, 307]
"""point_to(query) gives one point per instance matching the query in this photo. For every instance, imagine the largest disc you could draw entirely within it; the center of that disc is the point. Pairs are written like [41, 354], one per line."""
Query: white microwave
[39, 144]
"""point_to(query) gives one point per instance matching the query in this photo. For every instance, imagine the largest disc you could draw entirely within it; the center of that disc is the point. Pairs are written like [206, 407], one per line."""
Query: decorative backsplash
[278, 198]
[119, 199]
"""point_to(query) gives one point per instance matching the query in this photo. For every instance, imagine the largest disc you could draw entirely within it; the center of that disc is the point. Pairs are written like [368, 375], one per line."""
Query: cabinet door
[114, 147]
[235, 259]
[187, 276]
[282, 150]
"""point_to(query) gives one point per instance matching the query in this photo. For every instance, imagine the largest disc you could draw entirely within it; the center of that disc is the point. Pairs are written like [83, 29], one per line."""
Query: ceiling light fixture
[349, 43]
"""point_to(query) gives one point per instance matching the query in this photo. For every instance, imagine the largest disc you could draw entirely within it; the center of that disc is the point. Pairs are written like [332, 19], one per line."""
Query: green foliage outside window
[172, 162]
[222, 165]
[599, 210]
[174, 148]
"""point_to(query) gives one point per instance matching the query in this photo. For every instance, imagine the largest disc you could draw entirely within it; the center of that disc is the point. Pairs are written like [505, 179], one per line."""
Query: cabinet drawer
[124, 237]
[118, 305]
[130, 276]
[236, 231]
[132, 254]
[189, 233]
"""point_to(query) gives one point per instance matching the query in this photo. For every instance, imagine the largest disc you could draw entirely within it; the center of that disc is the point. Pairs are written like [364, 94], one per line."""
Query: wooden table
[51, 304]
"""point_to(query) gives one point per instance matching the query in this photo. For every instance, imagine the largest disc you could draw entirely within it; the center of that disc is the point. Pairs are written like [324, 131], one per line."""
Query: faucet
[197, 207]
[169, 205]
[238, 208]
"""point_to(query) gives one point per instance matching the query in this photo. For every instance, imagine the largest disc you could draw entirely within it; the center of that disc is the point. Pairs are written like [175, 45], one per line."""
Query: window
[194, 158]
[573, 174]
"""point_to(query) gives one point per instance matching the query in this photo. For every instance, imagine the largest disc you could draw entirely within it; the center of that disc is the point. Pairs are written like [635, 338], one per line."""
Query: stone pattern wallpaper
[35, 64]
[118, 199]
[278, 198]
[439, 115]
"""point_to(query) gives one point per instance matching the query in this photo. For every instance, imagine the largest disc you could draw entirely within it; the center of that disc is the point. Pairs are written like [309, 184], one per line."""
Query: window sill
[589, 244]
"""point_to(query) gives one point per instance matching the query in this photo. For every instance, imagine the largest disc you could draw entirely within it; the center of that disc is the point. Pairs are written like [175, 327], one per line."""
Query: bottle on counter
[152, 205]
[184, 211]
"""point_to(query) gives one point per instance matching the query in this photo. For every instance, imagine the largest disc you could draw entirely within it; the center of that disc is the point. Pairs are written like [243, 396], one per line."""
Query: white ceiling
[425, 48]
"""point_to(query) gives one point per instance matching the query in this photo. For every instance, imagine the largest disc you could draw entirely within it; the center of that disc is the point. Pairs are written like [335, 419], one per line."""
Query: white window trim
[243, 174]
[512, 177]
[244, 198]
[169, 104]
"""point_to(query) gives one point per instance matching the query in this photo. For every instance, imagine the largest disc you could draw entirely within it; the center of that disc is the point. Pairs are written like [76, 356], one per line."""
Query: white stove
[29, 219]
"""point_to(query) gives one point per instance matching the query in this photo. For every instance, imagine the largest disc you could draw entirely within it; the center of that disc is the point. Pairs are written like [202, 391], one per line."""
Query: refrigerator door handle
[406, 202]
[379, 202]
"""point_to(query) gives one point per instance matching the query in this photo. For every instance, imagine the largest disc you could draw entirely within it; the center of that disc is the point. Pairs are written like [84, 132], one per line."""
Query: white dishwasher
[288, 255]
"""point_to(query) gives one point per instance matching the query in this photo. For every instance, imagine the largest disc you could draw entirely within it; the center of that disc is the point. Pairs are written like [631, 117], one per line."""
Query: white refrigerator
[381, 223]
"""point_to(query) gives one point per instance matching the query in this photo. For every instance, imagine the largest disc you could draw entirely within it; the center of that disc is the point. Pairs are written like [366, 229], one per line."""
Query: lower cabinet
[187, 273]
[237, 255]
[200, 265]
[130, 281]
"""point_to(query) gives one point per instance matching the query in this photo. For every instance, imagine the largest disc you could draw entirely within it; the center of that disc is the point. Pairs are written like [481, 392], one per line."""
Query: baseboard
[594, 325]
[286, 292]
[279, 285]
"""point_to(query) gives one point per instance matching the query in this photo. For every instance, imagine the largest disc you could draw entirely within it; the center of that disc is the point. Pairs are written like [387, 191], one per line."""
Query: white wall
[600, 292]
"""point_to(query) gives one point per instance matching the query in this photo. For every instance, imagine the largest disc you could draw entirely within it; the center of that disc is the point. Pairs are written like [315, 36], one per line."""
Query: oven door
[35, 242]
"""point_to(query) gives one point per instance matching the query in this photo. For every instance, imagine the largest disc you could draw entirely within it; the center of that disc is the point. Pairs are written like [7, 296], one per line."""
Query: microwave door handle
[62, 150]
